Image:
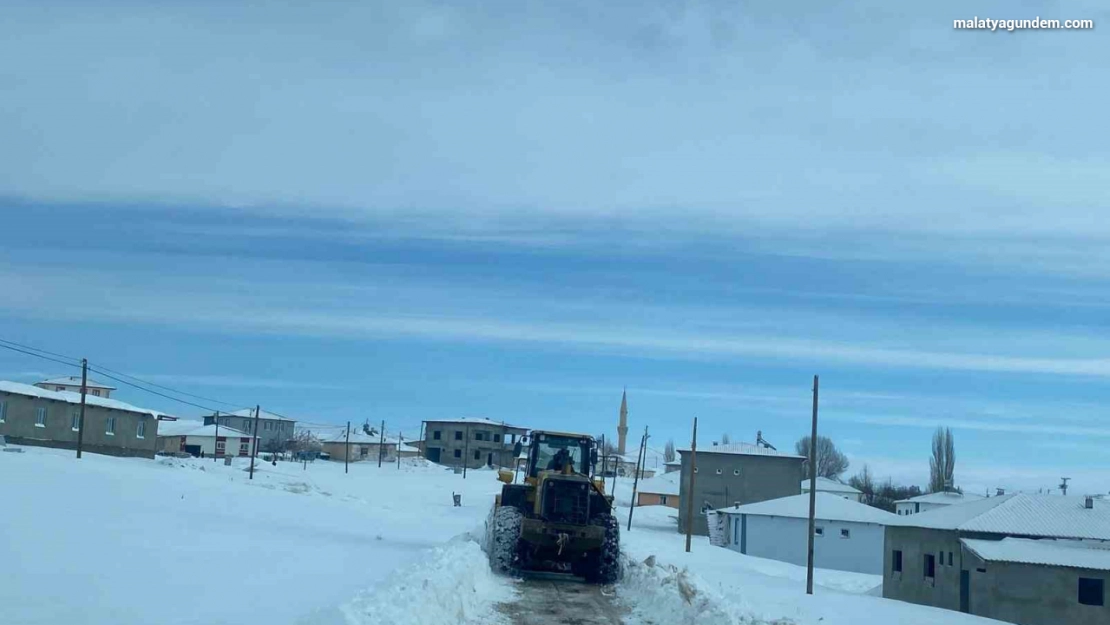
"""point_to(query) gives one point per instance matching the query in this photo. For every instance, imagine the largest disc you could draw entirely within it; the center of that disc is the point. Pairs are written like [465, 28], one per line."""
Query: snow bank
[664, 594]
[452, 584]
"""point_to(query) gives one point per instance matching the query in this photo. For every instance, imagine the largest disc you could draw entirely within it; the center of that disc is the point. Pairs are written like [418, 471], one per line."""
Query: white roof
[829, 508]
[825, 485]
[1021, 514]
[673, 463]
[743, 449]
[1079, 554]
[666, 484]
[75, 380]
[249, 412]
[196, 428]
[74, 398]
[476, 421]
[943, 498]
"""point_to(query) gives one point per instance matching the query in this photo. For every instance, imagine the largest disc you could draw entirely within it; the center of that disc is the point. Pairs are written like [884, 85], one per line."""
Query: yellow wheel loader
[560, 518]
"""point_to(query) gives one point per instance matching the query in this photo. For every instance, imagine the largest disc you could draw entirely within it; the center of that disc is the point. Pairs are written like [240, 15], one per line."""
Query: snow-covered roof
[359, 437]
[476, 421]
[673, 463]
[743, 449]
[942, 498]
[829, 507]
[75, 380]
[1020, 514]
[196, 428]
[825, 485]
[666, 484]
[249, 412]
[1081, 554]
[17, 388]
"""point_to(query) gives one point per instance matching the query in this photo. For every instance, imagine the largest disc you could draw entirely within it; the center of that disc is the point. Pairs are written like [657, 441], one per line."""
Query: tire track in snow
[555, 599]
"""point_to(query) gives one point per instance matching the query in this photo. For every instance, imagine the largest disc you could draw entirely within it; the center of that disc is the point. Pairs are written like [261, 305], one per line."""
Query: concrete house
[932, 501]
[661, 490]
[672, 466]
[363, 447]
[833, 487]
[473, 441]
[737, 473]
[1022, 558]
[31, 415]
[72, 384]
[195, 438]
[848, 535]
[273, 430]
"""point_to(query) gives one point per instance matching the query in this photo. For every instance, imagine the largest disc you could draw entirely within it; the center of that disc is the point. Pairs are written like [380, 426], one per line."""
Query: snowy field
[114, 540]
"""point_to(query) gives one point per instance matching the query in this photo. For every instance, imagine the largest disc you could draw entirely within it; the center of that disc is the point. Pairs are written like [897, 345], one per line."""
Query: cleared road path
[553, 599]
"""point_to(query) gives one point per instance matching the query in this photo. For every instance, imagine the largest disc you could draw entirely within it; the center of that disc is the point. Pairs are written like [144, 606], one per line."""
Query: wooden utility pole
[812, 491]
[81, 416]
[399, 437]
[636, 479]
[347, 451]
[466, 450]
[216, 443]
[690, 495]
[254, 440]
[381, 444]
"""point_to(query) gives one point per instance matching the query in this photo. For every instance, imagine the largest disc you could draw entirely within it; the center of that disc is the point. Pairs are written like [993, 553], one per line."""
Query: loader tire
[504, 541]
[604, 566]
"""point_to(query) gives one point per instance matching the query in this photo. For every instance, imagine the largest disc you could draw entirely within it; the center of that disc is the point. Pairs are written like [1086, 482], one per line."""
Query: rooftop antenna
[1064, 484]
[759, 440]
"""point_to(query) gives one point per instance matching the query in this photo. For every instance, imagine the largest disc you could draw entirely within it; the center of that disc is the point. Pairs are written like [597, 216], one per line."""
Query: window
[3, 411]
[1091, 591]
[719, 471]
[458, 435]
[497, 438]
[845, 533]
[930, 566]
[949, 558]
[110, 426]
[896, 561]
[140, 430]
[736, 471]
[95, 393]
[458, 453]
[478, 436]
[436, 435]
[477, 455]
[695, 469]
[40, 417]
[662, 500]
[75, 421]
[221, 446]
[59, 388]
[818, 531]
[244, 447]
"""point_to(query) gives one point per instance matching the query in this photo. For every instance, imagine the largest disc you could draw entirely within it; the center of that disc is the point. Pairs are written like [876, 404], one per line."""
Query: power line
[29, 353]
[122, 381]
[167, 388]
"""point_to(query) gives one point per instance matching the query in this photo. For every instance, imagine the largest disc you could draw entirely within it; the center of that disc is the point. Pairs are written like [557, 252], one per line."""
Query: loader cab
[561, 453]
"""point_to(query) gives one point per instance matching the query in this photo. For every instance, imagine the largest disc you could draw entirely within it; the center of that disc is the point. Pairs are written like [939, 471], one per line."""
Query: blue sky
[516, 209]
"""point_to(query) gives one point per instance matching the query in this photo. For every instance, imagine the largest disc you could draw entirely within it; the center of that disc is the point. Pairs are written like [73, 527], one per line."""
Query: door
[433, 454]
[965, 591]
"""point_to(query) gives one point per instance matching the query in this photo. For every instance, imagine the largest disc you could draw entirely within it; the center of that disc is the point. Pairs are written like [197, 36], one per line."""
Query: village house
[672, 465]
[196, 439]
[833, 487]
[72, 384]
[932, 501]
[274, 431]
[473, 441]
[736, 473]
[32, 415]
[847, 535]
[1022, 558]
[361, 446]
[661, 490]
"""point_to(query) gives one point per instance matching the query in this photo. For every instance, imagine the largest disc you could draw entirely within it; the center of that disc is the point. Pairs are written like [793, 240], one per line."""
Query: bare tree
[305, 442]
[668, 451]
[830, 461]
[725, 439]
[864, 483]
[942, 466]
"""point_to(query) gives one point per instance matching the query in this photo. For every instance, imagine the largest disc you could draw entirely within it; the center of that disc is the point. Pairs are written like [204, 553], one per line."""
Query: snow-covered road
[545, 599]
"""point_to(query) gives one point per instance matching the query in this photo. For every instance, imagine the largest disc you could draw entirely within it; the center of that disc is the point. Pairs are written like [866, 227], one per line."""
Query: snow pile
[452, 584]
[665, 595]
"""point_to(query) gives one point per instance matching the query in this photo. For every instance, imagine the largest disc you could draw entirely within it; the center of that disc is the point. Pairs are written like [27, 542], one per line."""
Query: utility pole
[812, 491]
[216, 443]
[81, 416]
[423, 439]
[690, 495]
[381, 444]
[399, 437]
[466, 450]
[636, 480]
[604, 460]
[254, 440]
[347, 450]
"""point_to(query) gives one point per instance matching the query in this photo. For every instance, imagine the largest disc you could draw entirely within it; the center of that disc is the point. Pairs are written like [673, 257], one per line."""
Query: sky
[515, 210]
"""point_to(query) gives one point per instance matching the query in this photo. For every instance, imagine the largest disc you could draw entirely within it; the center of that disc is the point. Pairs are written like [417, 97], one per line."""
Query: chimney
[999, 492]
[1089, 502]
